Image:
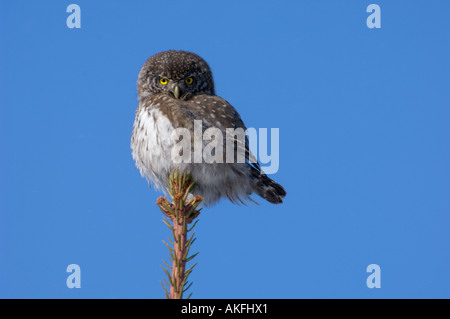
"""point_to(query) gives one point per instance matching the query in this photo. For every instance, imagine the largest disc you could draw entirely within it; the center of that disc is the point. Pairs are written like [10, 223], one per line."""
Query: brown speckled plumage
[161, 110]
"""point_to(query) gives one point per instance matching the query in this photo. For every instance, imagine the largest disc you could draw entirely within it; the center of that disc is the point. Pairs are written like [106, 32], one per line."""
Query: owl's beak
[176, 92]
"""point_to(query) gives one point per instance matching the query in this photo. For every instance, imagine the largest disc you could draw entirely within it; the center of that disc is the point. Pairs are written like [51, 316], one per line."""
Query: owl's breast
[151, 144]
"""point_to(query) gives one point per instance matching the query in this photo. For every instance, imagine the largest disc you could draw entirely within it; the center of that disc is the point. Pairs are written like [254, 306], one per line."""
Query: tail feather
[267, 188]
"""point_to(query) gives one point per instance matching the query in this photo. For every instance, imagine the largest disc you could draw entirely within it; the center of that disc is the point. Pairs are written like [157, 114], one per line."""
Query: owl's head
[177, 73]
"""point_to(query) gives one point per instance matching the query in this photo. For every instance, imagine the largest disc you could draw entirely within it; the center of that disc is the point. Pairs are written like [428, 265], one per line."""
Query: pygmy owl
[176, 91]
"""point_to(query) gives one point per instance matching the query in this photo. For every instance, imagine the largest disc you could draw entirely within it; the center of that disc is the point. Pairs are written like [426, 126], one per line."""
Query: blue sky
[364, 148]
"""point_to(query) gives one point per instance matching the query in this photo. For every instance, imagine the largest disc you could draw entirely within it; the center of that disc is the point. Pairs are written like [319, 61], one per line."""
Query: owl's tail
[267, 188]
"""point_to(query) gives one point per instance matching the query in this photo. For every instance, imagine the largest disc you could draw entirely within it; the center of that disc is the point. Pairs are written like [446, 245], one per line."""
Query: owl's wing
[217, 112]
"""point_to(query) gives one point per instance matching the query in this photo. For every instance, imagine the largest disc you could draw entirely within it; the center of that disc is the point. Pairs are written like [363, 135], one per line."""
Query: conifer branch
[181, 212]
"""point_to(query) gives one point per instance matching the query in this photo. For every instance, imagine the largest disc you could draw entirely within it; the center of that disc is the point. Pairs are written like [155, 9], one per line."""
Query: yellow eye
[163, 81]
[189, 81]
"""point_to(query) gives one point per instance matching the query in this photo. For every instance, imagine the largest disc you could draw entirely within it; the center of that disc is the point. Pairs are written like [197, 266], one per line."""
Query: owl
[176, 91]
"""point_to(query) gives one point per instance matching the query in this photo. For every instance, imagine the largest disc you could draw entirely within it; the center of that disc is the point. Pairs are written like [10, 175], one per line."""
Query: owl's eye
[163, 81]
[189, 80]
